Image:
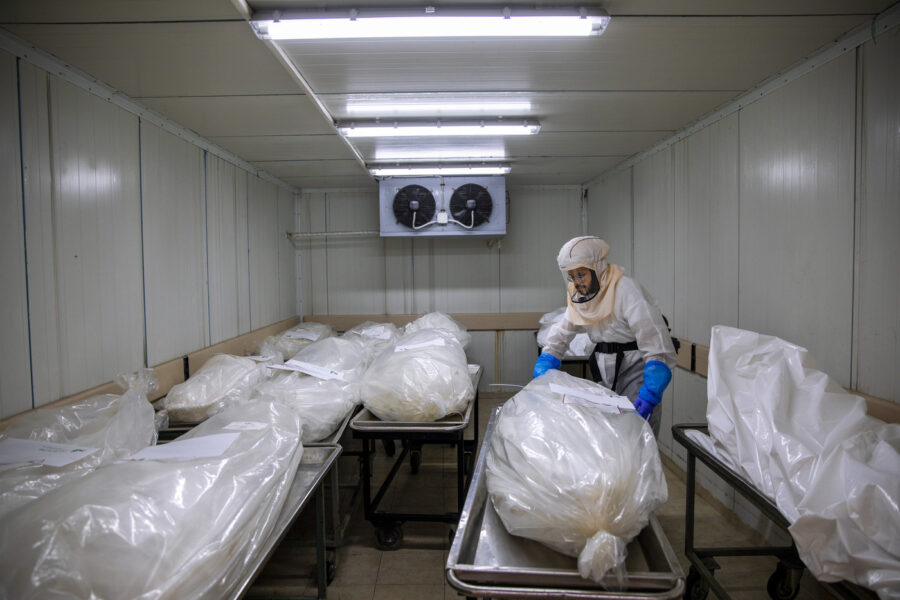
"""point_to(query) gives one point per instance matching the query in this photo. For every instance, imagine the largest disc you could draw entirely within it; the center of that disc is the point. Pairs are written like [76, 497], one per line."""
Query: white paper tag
[309, 369]
[18, 451]
[207, 446]
[432, 342]
[301, 334]
[605, 403]
[245, 426]
[377, 331]
[259, 358]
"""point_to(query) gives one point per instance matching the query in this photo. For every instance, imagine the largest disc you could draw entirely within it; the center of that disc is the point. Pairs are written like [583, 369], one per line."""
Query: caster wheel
[695, 587]
[415, 460]
[388, 537]
[784, 584]
[330, 571]
[389, 447]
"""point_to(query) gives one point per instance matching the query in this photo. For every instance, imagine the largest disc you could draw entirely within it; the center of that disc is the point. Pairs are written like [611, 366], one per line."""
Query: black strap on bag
[619, 349]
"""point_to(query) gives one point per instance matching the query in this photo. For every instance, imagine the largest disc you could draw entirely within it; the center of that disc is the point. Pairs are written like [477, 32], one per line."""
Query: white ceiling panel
[710, 53]
[167, 59]
[212, 116]
[96, 11]
[342, 181]
[284, 147]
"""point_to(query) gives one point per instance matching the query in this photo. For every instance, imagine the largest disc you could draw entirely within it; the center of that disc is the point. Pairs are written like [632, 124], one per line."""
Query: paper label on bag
[605, 403]
[207, 446]
[377, 331]
[433, 342]
[309, 369]
[259, 358]
[245, 426]
[301, 334]
[18, 451]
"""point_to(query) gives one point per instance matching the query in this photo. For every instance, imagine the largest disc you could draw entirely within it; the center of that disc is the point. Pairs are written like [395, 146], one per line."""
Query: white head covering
[590, 252]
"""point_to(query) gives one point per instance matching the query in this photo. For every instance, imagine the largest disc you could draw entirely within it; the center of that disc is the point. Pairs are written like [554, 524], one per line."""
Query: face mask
[585, 285]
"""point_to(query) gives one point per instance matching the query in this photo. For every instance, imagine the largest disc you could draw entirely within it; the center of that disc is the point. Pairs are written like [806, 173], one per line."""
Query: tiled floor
[416, 570]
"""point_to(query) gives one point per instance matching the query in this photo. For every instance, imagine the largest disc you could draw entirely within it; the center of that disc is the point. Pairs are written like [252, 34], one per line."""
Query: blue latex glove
[656, 377]
[544, 363]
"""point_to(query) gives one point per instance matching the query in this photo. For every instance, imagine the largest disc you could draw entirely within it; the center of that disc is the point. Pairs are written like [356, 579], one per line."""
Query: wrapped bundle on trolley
[320, 384]
[424, 377]
[179, 520]
[567, 469]
[439, 320]
[293, 340]
[375, 337]
[224, 378]
[97, 430]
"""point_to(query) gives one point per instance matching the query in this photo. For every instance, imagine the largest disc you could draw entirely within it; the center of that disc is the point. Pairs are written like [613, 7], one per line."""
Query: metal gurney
[486, 561]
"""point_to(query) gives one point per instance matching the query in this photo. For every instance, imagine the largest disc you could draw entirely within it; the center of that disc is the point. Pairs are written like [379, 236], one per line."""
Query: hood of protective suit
[589, 252]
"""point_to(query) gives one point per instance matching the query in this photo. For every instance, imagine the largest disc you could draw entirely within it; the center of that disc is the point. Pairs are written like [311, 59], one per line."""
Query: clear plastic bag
[295, 339]
[118, 426]
[439, 320]
[424, 377]
[347, 359]
[807, 444]
[223, 378]
[575, 478]
[158, 529]
[321, 404]
[375, 337]
[581, 344]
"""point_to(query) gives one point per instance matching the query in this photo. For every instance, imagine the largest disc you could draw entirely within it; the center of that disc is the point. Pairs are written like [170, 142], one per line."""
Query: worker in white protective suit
[634, 354]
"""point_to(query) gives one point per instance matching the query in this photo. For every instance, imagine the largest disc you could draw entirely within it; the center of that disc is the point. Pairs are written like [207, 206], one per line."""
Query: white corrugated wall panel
[242, 231]
[84, 237]
[609, 216]
[541, 220]
[796, 214]
[174, 245]
[706, 231]
[654, 232]
[398, 275]
[355, 265]
[226, 239]
[316, 278]
[518, 351]
[466, 275]
[481, 352]
[15, 372]
[287, 273]
[263, 210]
[305, 262]
[878, 239]
[422, 269]
[39, 241]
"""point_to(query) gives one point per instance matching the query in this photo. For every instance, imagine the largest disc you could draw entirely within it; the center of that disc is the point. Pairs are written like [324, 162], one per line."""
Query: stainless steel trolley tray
[486, 560]
[366, 421]
[314, 465]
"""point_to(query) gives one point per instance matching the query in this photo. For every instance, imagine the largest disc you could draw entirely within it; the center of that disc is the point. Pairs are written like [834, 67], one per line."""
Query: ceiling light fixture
[437, 128]
[436, 108]
[445, 169]
[430, 21]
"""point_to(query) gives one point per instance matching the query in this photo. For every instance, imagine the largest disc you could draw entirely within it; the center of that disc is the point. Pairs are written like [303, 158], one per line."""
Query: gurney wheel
[388, 537]
[330, 571]
[784, 584]
[695, 587]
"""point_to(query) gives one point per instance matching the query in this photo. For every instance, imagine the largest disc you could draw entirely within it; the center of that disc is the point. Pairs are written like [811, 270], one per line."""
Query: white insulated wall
[137, 242]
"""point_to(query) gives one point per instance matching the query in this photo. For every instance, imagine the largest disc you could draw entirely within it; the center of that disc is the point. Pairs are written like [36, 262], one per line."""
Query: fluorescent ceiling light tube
[417, 129]
[405, 155]
[465, 21]
[440, 170]
[433, 108]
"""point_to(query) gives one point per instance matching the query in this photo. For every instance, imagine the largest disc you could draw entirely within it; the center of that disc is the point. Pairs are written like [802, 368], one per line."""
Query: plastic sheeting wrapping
[321, 404]
[376, 337]
[222, 379]
[118, 426]
[571, 476]
[424, 377]
[295, 339]
[581, 344]
[344, 359]
[439, 320]
[833, 471]
[160, 529]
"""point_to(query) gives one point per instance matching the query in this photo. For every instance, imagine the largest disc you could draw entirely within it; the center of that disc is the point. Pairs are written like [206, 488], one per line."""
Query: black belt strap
[617, 348]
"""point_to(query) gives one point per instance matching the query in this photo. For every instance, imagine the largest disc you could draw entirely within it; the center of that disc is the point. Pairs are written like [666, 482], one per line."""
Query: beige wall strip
[471, 321]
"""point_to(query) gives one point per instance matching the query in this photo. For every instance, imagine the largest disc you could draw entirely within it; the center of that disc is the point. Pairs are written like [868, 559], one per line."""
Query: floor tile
[409, 592]
[412, 566]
